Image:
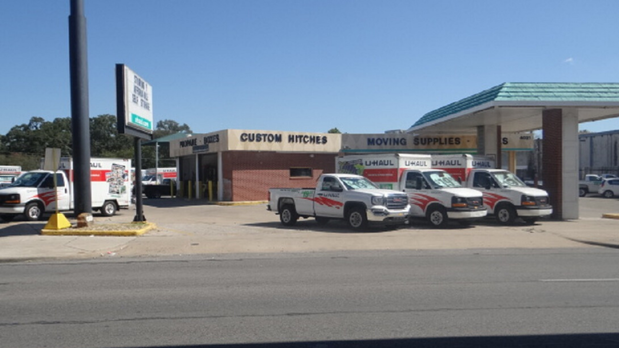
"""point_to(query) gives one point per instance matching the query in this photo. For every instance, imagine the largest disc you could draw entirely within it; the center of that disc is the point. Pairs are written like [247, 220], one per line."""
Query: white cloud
[569, 61]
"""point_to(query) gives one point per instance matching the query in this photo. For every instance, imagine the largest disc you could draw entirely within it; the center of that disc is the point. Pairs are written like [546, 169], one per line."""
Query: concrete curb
[123, 230]
[241, 203]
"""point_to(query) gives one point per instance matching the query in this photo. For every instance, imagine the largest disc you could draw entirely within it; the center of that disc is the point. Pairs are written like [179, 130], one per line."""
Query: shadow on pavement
[22, 229]
[598, 340]
[168, 202]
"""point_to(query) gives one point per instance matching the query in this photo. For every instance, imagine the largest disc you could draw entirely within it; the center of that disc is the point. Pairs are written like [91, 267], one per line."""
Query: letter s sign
[505, 141]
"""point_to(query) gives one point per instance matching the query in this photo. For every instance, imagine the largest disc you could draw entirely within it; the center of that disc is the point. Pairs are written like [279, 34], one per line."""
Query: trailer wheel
[437, 216]
[108, 208]
[33, 211]
[356, 218]
[156, 194]
[505, 214]
[582, 192]
[288, 215]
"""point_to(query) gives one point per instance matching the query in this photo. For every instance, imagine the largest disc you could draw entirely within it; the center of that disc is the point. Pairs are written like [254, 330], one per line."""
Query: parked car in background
[609, 188]
[591, 184]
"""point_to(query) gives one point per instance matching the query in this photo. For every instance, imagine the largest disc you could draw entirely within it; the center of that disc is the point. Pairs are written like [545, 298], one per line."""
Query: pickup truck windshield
[441, 179]
[506, 179]
[358, 183]
[29, 180]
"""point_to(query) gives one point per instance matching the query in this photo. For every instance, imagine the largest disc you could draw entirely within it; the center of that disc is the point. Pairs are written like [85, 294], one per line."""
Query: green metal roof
[167, 138]
[521, 92]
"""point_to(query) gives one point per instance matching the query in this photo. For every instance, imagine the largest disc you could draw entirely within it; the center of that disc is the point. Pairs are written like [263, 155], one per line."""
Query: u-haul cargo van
[33, 194]
[433, 194]
[505, 195]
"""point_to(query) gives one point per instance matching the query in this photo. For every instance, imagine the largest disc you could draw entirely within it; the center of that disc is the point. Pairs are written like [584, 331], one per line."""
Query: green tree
[334, 130]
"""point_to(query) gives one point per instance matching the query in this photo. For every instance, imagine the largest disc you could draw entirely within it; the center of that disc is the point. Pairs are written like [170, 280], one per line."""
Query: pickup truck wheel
[437, 216]
[582, 192]
[608, 194]
[288, 215]
[108, 208]
[33, 212]
[322, 220]
[506, 214]
[357, 219]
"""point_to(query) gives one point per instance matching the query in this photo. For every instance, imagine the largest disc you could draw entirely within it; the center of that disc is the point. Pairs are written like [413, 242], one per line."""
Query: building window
[300, 172]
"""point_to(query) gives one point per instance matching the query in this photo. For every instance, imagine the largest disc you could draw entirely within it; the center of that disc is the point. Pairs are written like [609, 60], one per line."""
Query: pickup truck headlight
[458, 202]
[12, 199]
[378, 200]
[527, 200]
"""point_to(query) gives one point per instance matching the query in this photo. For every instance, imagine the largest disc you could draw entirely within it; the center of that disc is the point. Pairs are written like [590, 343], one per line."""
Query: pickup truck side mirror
[337, 188]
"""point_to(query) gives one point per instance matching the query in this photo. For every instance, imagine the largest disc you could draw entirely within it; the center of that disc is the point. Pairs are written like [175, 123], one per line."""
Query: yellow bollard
[189, 190]
[210, 191]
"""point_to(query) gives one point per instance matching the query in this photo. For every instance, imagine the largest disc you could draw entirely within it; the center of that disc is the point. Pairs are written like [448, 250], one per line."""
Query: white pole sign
[139, 101]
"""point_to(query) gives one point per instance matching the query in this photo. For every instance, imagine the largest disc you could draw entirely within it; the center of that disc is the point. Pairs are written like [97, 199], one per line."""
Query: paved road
[396, 296]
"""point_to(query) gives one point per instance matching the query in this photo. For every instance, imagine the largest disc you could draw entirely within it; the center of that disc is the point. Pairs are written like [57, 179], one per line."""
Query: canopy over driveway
[556, 108]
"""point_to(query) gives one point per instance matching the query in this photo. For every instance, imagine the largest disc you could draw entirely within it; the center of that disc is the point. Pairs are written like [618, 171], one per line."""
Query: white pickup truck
[341, 196]
[591, 184]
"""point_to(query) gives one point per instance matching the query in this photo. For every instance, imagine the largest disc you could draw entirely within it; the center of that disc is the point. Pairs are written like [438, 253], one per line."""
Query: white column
[197, 177]
[491, 143]
[569, 168]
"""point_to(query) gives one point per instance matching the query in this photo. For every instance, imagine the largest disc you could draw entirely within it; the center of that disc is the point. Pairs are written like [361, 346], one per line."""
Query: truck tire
[437, 217]
[357, 218]
[608, 194]
[582, 192]
[33, 212]
[288, 215]
[156, 194]
[505, 214]
[108, 208]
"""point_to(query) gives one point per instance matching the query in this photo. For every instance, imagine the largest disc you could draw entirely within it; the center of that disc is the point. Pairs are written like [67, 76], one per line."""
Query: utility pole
[80, 121]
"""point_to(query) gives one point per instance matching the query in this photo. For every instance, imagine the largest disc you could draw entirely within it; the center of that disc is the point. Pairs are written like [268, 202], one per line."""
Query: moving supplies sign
[134, 101]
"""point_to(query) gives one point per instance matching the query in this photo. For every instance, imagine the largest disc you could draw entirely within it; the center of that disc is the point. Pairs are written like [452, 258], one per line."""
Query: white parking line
[581, 280]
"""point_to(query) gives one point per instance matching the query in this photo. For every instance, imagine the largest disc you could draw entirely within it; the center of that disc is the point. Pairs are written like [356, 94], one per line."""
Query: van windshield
[440, 179]
[506, 179]
[29, 180]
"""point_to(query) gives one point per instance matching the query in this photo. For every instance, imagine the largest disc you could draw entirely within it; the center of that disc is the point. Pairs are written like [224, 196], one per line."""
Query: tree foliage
[334, 130]
[25, 144]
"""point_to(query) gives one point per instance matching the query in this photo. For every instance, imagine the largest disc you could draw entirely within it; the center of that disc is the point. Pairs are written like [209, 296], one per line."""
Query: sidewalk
[184, 228]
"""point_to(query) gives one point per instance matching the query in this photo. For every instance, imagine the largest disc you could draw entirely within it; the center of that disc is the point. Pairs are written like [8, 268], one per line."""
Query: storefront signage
[408, 142]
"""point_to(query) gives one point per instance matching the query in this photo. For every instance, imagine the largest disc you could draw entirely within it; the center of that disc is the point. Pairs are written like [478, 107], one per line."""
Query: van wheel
[608, 194]
[582, 192]
[33, 212]
[506, 214]
[356, 218]
[437, 216]
[108, 208]
[288, 215]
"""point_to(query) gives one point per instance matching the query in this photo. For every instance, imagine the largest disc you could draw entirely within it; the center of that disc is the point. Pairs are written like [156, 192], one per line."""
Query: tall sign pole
[80, 121]
[134, 114]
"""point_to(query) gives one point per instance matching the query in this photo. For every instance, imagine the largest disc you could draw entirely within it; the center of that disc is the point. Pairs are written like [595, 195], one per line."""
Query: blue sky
[301, 65]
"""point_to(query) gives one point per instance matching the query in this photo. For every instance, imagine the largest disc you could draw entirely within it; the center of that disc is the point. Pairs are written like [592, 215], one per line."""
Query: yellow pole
[210, 191]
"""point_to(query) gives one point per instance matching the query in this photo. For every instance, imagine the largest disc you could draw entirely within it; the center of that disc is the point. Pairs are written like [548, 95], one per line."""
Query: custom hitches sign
[134, 103]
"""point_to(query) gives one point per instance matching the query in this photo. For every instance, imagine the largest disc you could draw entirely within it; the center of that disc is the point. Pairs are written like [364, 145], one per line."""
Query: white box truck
[32, 194]
[505, 195]
[8, 174]
[432, 193]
